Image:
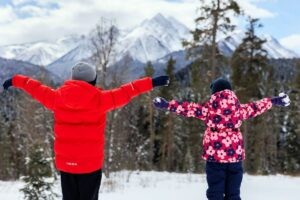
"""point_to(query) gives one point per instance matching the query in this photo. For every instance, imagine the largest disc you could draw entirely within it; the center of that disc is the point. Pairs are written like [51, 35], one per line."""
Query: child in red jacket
[223, 147]
[79, 123]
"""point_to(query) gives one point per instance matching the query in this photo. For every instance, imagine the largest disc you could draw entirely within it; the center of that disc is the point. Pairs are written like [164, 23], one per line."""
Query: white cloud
[255, 11]
[33, 11]
[77, 16]
[258, 1]
[20, 2]
[134, 11]
[7, 15]
[292, 42]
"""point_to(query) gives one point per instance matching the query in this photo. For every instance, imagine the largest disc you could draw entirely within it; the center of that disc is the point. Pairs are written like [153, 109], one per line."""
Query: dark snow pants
[81, 186]
[224, 180]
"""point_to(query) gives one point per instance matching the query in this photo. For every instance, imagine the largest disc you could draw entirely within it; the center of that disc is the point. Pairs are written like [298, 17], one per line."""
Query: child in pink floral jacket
[223, 147]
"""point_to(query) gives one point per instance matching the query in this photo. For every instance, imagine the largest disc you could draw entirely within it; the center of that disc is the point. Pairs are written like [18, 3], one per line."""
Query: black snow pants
[81, 186]
[224, 180]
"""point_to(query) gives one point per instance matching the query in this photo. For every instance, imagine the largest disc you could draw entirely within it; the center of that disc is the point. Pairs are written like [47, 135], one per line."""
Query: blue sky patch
[24, 15]
[5, 2]
[286, 20]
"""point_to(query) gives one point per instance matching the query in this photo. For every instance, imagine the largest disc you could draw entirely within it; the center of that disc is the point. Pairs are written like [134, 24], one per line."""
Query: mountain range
[153, 40]
[10, 67]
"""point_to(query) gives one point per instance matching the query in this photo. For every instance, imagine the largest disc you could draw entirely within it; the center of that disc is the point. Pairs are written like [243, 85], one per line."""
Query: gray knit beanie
[84, 72]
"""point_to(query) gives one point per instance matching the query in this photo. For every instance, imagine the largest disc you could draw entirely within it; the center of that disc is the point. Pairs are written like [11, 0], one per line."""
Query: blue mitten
[7, 84]
[161, 81]
[282, 100]
[161, 103]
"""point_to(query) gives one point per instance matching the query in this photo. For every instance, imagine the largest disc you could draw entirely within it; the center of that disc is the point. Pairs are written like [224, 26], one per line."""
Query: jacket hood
[78, 95]
[225, 93]
[228, 96]
[225, 105]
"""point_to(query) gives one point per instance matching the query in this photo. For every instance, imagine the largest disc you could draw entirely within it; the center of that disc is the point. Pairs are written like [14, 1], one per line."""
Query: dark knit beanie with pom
[219, 85]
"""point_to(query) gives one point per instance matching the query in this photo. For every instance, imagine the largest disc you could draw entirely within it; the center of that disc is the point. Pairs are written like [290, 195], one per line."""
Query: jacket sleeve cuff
[143, 85]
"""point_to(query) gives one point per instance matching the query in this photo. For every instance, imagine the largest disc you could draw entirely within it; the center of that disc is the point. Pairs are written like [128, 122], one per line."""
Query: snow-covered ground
[173, 186]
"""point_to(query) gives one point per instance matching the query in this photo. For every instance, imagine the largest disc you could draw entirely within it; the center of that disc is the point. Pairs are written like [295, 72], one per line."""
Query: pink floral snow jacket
[223, 115]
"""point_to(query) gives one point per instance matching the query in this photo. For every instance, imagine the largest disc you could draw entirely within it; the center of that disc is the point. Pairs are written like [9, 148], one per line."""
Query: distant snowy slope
[62, 66]
[276, 50]
[151, 40]
[154, 38]
[10, 51]
[40, 53]
[164, 186]
[9, 67]
[228, 44]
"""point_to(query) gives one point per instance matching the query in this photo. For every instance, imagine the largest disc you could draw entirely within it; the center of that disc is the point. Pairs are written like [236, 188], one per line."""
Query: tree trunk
[151, 130]
[214, 40]
[170, 144]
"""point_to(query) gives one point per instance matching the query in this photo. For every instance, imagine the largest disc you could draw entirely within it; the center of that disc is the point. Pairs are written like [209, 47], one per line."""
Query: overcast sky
[32, 20]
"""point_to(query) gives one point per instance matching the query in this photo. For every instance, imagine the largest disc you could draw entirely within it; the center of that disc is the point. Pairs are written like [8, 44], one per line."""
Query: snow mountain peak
[275, 50]
[41, 52]
[152, 40]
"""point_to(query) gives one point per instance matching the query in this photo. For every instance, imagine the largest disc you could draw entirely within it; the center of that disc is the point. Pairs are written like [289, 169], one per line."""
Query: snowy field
[172, 186]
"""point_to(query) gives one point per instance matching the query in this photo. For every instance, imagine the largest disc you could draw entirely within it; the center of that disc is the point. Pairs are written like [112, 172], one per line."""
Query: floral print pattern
[223, 115]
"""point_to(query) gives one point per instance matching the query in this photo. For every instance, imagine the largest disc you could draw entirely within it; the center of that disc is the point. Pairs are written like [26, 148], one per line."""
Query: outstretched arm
[253, 109]
[186, 109]
[116, 98]
[44, 94]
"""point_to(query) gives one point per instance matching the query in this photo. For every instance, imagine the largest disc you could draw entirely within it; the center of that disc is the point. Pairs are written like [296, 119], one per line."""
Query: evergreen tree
[149, 71]
[7, 121]
[12, 141]
[193, 128]
[37, 187]
[198, 92]
[249, 61]
[290, 141]
[213, 20]
[166, 131]
[126, 135]
[251, 78]
[22, 120]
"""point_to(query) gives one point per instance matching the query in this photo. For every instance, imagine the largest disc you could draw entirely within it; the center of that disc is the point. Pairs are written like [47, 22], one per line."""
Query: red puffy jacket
[80, 118]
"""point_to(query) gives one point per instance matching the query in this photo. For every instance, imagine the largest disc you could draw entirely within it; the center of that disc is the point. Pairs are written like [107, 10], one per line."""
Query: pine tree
[193, 128]
[22, 119]
[7, 118]
[11, 138]
[166, 131]
[37, 187]
[149, 71]
[213, 20]
[249, 61]
[198, 92]
[251, 78]
[290, 141]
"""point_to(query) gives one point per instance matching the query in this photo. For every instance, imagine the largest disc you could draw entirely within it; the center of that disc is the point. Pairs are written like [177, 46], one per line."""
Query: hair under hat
[84, 72]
